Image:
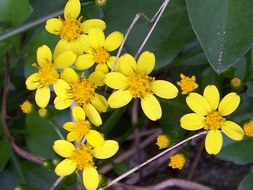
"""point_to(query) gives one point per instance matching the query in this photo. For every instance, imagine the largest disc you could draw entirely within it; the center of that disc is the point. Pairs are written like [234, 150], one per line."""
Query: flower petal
[42, 96]
[33, 81]
[96, 38]
[211, 93]
[164, 89]
[84, 62]
[151, 107]
[198, 104]
[69, 126]
[90, 178]
[108, 149]
[65, 59]
[100, 103]
[72, 9]
[102, 67]
[127, 64]
[213, 142]
[111, 65]
[78, 113]
[233, 130]
[63, 45]
[113, 41]
[44, 55]
[192, 121]
[93, 23]
[229, 104]
[97, 77]
[119, 98]
[146, 63]
[95, 139]
[63, 148]
[65, 167]
[74, 136]
[60, 104]
[54, 26]
[61, 88]
[116, 80]
[69, 75]
[92, 114]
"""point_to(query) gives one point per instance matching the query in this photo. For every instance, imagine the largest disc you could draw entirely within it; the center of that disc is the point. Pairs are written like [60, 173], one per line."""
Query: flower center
[82, 127]
[177, 161]
[71, 29]
[101, 55]
[83, 91]
[162, 141]
[140, 85]
[48, 75]
[248, 128]
[83, 156]
[213, 121]
[188, 84]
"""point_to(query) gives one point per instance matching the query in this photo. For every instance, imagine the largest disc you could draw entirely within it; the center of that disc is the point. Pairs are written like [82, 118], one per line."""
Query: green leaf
[120, 168]
[247, 182]
[13, 12]
[5, 154]
[224, 35]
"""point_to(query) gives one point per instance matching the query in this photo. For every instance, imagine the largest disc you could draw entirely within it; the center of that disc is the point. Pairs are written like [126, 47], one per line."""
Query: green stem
[56, 129]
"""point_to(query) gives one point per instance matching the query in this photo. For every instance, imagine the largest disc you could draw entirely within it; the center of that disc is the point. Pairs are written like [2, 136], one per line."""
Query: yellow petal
[211, 93]
[69, 75]
[116, 80]
[146, 63]
[151, 107]
[84, 43]
[229, 104]
[95, 139]
[65, 59]
[42, 96]
[127, 64]
[102, 67]
[164, 89]
[108, 149]
[54, 26]
[233, 130]
[75, 46]
[44, 55]
[119, 98]
[69, 126]
[213, 142]
[93, 23]
[100, 103]
[33, 81]
[111, 65]
[113, 41]
[78, 113]
[92, 114]
[84, 62]
[90, 178]
[72, 9]
[61, 88]
[97, 77]
[65, 167]
[74, 136]
[192, 121]
[60, 104]
[198, 104]
[96, 38]
[63, 148]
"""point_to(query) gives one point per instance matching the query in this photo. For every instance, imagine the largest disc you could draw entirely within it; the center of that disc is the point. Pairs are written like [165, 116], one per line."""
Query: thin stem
[56, 129]
[56, 183]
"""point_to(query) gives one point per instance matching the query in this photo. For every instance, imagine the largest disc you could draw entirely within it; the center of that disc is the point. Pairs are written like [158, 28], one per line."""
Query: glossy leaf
[5, 153]
[247, 182]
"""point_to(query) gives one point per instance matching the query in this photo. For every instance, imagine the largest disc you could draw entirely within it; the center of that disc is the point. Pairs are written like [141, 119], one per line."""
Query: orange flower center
[48, 75]
[82, 128]
[177, 161]
[213, 121]
[187, 84]
[140, 85]
[101, 55]
[83, 156]
[71, 29]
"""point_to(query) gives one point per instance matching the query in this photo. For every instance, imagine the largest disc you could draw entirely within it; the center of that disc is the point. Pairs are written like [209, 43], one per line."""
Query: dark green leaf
[247, 182]
[120, 168]
[5, 154]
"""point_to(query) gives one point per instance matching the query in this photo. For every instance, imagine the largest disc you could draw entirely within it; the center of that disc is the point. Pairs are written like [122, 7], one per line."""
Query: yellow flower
[82, 91]
[187, 84]
[133, 82]
[209, 114]
[248, 128]
[163, 141]
[80, 128]
[26, 107]
[47, 74]
[177, 161]
[72, 30]
[82, 157]
[97, 51]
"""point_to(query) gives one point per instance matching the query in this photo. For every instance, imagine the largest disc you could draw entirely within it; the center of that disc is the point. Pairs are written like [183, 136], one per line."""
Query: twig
[146, 133]
[153, 158]
[56, 183]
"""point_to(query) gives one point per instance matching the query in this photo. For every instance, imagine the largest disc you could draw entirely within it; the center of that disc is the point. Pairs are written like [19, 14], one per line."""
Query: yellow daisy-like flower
[209, 114]
[82, 91]
[47, 74]
[177, 161]
[248, 128]
[82, 157]
[97, 51]
[187, 84]
[26, 107]
[162, 141]
[133, 82]
[79, 128]
[72, 30]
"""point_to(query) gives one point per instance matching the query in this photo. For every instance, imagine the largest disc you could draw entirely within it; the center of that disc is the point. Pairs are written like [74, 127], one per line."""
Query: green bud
[48, 164]
[101, 3]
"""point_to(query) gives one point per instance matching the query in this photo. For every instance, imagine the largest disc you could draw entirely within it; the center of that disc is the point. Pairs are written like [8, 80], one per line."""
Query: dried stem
[56, 183]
